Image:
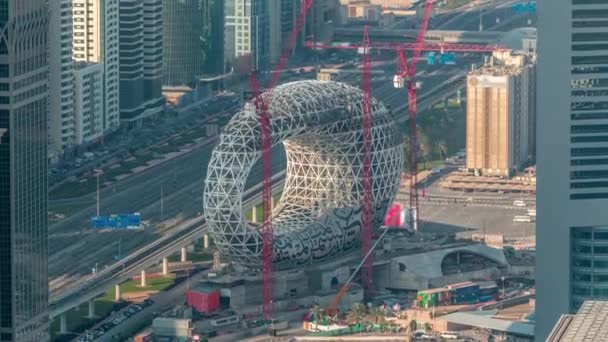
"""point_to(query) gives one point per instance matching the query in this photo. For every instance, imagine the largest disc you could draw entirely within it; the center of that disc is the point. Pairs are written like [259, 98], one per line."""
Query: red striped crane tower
[405, 78]
[261, 103]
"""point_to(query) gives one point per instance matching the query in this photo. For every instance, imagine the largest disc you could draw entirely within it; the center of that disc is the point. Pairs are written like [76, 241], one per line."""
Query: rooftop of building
[494, 324]
[503, 63]
[590, 323]
[78, 65]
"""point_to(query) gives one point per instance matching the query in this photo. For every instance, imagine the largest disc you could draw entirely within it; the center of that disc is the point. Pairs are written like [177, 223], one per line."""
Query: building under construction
[501, 100]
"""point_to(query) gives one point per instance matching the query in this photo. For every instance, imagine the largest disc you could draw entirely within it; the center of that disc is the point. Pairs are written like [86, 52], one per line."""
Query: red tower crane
[405, 78]
[261, 104]
[410, 72]
[366, 208]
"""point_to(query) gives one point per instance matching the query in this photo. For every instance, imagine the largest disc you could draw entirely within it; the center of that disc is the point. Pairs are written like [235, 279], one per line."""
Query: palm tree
[356, 314]
[316, 312]
[377, 315]
[413, 326]
[441, 147]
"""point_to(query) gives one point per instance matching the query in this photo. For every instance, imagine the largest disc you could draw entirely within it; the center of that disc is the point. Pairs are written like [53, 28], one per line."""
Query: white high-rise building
[572, 158]
[96, 40]
[61, 82]
[247, 32]
[88, 102]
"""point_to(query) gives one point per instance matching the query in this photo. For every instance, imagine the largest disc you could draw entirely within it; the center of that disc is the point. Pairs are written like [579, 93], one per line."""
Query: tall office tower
[213, 36]
[183, 46]
[283, 15]
[153, 56]
[61, 79]
[322, 19]
[88, 101]
[275, 34]
[140, 61]
[24, 311]
[572, 158]
[500, 108]
[290, 10]
[247, 33]
[95, 27]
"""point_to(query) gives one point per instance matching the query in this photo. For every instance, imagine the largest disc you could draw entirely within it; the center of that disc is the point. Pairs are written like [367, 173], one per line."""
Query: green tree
[427, 327]
[317, 313]
[413, 325]
[357, 313]
[377, 315]
[441, 147]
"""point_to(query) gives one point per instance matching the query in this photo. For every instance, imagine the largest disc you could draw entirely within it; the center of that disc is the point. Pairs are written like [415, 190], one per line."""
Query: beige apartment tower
[500, 116]
[95, 40]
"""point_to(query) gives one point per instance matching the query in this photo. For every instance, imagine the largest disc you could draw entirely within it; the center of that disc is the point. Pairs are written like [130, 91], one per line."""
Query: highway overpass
[355, 34]
[181, 236]
[192, 230]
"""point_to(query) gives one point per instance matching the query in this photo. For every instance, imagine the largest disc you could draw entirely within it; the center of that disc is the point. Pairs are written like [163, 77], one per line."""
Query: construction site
[323, 238]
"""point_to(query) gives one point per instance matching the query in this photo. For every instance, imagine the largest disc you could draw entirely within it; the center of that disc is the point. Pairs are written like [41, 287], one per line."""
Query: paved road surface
[75, 250]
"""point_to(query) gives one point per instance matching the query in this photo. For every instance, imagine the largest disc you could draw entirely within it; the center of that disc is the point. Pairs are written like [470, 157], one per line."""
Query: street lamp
[97, 173]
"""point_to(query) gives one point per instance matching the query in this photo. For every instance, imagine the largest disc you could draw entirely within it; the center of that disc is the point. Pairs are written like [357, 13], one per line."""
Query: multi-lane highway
[75, 250]
[183, 235]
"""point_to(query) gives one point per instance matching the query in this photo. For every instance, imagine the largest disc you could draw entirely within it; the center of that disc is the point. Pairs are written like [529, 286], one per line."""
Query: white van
[449, 335]
[519, 203]
[526, 219]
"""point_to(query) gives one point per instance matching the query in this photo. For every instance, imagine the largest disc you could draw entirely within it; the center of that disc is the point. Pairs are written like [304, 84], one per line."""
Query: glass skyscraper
[140, 36]
[23, 171]
[572, 158]
[193, 43]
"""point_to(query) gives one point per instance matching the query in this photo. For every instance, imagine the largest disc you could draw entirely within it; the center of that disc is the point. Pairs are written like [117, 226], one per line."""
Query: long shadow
[438, 227]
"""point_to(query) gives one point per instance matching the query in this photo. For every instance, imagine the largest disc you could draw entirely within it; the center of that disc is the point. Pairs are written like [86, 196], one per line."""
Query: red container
[204, 299]
[144, 337]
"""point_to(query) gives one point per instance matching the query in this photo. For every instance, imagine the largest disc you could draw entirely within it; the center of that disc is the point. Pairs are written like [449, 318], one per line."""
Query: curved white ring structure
[318, 216]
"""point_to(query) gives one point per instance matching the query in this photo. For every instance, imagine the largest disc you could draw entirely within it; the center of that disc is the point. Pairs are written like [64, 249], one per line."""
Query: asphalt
[75, 249]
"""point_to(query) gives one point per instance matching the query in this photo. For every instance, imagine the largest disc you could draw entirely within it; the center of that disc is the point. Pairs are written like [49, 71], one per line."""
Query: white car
[449, 335]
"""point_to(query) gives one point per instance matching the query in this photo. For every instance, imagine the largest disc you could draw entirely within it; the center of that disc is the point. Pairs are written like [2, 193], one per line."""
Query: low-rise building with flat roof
[588, 324]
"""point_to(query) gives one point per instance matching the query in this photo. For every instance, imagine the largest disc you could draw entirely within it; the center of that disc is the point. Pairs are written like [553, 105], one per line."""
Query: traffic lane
[151, 254]
[97, 250]
[144, 189]
[470, 20]
[172, 206]
[184, 203]
[456, 22]
[138, 139]
[140, 187]
[198, 125]
[436, 189]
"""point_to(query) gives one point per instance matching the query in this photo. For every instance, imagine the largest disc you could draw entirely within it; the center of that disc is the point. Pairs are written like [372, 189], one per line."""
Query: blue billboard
[120, 221]
[529, 7]
[447, 58]
[430, 58]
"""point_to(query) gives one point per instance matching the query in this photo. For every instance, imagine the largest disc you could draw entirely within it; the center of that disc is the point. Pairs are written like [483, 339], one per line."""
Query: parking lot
[474, 219]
